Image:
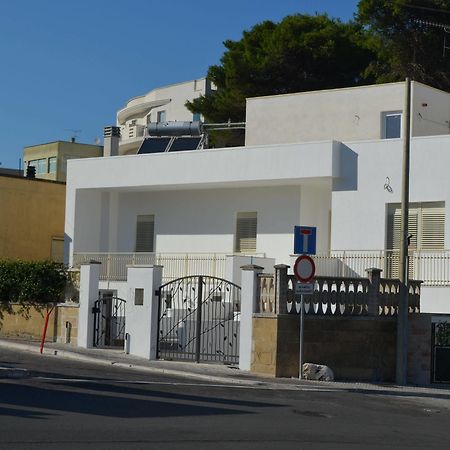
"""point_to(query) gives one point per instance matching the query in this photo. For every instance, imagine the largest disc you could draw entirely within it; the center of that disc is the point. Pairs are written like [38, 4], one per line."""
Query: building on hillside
[50, 160]
[31, 218]
[329, 159]
[163, 104]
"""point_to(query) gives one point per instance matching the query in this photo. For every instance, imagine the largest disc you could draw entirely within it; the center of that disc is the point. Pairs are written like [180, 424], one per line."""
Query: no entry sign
[304, 268]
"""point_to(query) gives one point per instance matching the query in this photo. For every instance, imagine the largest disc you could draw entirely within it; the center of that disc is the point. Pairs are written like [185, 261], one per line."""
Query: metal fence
[432, 267]
[176, 265]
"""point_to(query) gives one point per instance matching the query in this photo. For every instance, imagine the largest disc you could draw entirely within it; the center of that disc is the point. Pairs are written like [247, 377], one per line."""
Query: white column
[89, 278]
[141, 323]
[249, 299]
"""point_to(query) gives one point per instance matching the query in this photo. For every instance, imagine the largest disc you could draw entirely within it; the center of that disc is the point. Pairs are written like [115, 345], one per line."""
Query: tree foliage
[301, 53]
[35, 283]
[403, 43]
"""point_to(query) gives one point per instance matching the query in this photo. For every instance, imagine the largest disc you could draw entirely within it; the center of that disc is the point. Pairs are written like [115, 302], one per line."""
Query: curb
[123, 365]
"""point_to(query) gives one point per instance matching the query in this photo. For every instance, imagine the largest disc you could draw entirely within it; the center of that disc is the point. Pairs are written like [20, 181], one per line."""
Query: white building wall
[359, 206]
[349, 114]
[205, 220]
[341, 114]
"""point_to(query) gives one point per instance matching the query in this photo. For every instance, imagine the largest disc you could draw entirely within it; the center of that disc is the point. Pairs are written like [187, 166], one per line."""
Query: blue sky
[70, 65]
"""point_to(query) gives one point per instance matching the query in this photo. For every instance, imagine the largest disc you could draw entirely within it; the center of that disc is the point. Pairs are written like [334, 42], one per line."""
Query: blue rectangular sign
[304, 240]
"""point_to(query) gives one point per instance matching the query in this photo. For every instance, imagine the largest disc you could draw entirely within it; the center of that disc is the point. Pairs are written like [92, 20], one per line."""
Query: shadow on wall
[348, 163]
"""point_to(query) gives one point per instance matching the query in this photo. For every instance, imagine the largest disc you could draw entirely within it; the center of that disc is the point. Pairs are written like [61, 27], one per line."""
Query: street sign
[304, 288]
[304, 268]
[304, 240]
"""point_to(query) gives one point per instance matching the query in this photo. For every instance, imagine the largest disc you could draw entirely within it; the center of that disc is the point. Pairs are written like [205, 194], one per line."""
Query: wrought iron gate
[109, 321]
[441, 353]
[199, 320]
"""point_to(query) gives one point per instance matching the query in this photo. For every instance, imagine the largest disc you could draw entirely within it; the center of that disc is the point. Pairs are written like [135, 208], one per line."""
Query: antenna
[443, 26]
[75, 133]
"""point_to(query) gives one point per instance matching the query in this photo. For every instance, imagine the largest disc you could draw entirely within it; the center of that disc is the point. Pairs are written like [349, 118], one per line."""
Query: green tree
[404, 44]
[300, 53]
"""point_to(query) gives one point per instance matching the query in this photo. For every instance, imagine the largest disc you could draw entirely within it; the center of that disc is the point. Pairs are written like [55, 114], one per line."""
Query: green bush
[31, 283]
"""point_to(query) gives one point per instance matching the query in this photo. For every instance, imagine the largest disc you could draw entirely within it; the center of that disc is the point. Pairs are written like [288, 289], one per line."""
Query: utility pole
[402, 316]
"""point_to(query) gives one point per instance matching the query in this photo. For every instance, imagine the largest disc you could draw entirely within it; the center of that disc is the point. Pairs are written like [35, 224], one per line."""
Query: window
[52, 164]
[161, 116]
[246, 232]
[57, 249]
[196, 117]
[425, 223]
[139, 296]
[145, 230]
[391, 125]
[40, 164]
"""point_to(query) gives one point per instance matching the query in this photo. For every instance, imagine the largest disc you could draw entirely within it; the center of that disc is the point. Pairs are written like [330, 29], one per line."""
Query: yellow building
[31, 218]
[50, 160]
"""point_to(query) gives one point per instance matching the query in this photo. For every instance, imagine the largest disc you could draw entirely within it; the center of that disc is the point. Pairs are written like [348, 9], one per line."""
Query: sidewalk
[216, 373]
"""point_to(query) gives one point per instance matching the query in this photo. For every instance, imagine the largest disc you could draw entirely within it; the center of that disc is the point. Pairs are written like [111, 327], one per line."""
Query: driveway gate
[441, 353]
[199, 320]
[109, 321]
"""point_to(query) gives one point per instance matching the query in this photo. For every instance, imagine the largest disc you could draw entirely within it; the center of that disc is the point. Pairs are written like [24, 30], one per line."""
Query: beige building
[31, 218]
[50, 160]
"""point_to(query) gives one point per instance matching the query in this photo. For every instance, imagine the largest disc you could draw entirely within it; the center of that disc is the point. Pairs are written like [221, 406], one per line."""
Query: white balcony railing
[176, 265]
[432, 267]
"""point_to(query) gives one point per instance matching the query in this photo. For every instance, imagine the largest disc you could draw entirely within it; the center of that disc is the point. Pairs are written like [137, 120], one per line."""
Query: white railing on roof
[432, 267]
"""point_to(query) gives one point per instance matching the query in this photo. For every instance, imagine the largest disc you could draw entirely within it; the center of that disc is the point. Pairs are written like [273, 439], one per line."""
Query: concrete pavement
[214, 373]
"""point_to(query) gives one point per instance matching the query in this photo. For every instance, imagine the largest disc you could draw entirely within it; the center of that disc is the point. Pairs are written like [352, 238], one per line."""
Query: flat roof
[63, 142]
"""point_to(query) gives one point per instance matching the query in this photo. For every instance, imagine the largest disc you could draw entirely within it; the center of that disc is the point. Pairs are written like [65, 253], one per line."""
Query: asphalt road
[71, 405]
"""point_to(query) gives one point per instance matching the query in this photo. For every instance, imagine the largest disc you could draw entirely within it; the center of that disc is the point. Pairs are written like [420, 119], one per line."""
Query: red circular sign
[304, 268]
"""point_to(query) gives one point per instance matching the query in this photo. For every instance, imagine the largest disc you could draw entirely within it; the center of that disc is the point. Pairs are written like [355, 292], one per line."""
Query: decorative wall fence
[346, 296]
[432, 267]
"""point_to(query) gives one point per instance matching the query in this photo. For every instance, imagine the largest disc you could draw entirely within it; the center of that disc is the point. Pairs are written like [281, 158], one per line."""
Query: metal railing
[176, 265]
[432, 267]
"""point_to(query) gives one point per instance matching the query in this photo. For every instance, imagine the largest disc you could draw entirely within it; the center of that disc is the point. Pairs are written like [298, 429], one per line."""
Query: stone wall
[356, 348]
[29, 324]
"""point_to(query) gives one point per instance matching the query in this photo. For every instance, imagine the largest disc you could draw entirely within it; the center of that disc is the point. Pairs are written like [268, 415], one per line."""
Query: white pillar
[141, 323]
[89, 278]
[249, 291]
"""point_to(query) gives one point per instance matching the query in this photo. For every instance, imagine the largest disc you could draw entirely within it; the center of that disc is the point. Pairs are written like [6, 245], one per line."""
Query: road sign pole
[302, 321]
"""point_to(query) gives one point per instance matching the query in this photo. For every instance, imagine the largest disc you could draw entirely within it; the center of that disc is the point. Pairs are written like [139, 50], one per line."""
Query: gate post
[249, 299]
[141, 323]
[89, 279]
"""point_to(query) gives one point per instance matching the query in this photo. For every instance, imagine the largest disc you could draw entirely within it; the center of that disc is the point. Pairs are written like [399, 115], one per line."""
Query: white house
[162, 104]
[330, 159]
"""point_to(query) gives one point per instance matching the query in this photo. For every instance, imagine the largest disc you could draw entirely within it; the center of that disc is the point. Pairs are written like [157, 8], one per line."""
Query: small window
[139, 296]
[145, 230]
[52, 164]
[196, 117]
[246, 232]
[161, 116]
[392, 125]
[57, 250]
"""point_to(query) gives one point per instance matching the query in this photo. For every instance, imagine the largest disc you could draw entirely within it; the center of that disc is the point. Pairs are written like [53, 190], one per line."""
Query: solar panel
[153, 145]
[184, 143]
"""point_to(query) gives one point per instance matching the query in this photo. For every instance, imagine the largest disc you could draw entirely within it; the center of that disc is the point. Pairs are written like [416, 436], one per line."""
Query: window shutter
[246, 232]
[433, 221]
[145, 230]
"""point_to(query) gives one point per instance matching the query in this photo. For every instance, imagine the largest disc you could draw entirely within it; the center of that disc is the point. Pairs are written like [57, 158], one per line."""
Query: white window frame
[139, 246]
[384, 116]
[240, 218]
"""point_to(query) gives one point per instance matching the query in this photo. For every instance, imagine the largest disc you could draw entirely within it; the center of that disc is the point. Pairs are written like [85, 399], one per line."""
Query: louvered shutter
[145, 230]
[246, 232]
[433, 221]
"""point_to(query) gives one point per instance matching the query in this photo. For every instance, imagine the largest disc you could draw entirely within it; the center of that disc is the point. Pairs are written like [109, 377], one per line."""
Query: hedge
[31, 283]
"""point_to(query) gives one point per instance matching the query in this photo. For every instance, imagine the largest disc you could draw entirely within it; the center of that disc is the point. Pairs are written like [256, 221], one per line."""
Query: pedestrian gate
[199, 320]
[109, 321]
[441, 353]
